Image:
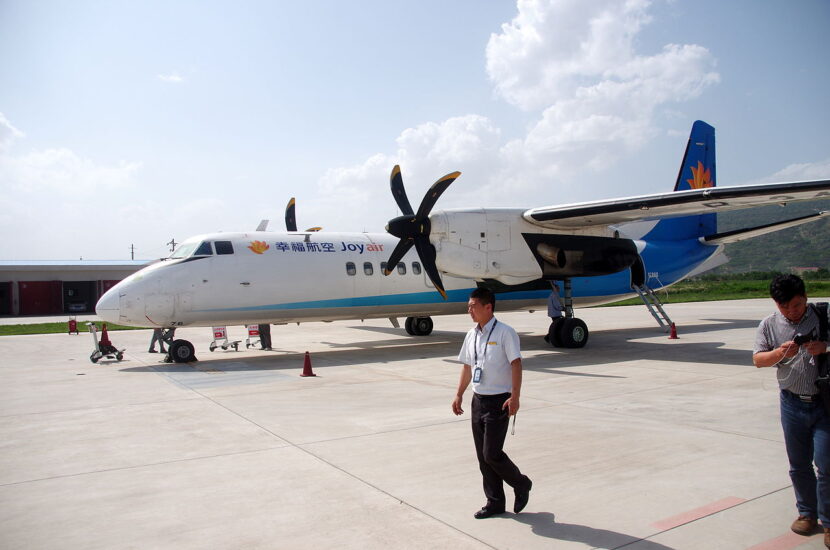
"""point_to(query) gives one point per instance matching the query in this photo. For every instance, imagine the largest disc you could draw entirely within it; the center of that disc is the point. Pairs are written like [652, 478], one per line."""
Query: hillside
[804, 246]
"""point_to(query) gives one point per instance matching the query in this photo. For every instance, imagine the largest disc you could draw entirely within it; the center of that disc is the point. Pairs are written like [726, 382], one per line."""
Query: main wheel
[408, 326]
[555, 333]
[182, 351]
[422, 326]
[574, 333]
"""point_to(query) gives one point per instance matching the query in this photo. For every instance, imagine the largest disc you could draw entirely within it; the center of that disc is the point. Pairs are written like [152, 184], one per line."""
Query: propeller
[412, 228]
[291, 218]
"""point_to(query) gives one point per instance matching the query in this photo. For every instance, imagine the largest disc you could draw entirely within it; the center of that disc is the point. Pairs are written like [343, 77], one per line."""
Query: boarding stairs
[654, 305]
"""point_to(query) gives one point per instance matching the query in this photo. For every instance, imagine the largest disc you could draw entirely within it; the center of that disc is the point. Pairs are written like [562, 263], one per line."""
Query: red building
[53, 287]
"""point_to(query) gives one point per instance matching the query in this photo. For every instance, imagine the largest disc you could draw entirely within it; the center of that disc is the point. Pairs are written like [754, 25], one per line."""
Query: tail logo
[259, 247]
[702, 177]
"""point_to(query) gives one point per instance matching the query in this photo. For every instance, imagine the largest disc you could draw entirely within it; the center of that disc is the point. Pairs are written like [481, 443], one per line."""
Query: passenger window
[367, 268]
[416, 268]
[402, 268]
[203, 250]
[350, 269]
[383, 267]
[223, 247]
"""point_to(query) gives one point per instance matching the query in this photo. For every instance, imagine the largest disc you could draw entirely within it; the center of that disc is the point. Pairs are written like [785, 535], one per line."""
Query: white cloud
[61, 171]
[172, 78]
[552, 48]
[56, 190]
[800, 172]
[576, 64]
[8, 133]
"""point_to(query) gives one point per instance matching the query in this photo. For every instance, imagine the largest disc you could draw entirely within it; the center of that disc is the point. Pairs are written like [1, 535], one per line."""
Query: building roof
[71, 265]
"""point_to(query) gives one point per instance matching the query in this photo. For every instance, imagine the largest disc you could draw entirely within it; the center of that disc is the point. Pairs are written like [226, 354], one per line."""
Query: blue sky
[131, 123]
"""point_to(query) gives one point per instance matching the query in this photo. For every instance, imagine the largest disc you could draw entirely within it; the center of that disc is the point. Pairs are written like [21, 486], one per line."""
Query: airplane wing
[677, 203]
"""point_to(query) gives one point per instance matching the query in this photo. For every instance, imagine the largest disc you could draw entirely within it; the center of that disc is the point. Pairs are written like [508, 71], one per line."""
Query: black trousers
[490, 423]
[265, 336]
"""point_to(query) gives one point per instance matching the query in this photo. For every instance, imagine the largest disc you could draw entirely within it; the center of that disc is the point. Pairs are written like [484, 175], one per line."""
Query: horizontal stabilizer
[749, 232]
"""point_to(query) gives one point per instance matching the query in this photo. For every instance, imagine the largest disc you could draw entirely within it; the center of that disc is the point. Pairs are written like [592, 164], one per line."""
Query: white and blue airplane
[603, 251]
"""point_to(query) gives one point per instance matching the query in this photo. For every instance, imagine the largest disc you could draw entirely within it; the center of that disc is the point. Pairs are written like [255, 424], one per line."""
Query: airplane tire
[422, 326]
[573, 332]
[408, 326]
[182, 351]
[555, 333]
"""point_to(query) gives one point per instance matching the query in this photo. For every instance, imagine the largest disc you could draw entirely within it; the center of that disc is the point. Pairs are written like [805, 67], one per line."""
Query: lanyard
[475, 346]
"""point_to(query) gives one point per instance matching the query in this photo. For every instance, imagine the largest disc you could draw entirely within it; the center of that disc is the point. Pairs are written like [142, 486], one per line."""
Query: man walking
[804, 419]
[493, 362]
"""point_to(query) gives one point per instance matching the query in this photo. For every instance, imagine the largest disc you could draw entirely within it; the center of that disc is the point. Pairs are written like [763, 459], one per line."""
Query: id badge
[477, 375]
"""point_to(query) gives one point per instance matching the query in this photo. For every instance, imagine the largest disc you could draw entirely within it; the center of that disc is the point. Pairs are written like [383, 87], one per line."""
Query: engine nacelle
[500, 244]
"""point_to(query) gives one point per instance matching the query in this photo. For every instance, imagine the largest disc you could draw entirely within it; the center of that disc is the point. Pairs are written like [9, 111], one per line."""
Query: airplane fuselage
[283, 277]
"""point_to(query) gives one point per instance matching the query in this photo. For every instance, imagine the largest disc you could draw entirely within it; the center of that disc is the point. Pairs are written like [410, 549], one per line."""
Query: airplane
[603, 251]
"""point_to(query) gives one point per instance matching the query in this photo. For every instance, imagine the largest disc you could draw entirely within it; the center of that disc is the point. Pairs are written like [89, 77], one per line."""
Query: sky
[125, 125]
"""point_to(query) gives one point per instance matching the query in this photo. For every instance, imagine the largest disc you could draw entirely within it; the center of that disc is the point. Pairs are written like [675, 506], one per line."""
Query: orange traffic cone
[307, 366]
[673, 335]
[105, 339]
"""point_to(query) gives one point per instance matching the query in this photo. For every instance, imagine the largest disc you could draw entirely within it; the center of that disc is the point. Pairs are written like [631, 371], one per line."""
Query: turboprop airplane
[603, 251]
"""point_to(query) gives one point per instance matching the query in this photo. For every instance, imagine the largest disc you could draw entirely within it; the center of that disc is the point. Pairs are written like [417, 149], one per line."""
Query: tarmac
[636, 442]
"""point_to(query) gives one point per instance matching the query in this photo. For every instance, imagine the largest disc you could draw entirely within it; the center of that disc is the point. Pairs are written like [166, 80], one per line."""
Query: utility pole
[132, 252]
[172, 244]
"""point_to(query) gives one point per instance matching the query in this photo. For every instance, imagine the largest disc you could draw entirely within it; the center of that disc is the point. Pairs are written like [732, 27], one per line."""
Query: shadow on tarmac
[604, 348]
[544, 524]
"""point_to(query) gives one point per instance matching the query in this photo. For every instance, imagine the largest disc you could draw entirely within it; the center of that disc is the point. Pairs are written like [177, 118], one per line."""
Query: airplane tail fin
[697, 171]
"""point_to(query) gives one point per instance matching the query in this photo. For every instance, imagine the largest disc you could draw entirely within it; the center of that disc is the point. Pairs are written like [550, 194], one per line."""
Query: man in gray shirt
[804, 419]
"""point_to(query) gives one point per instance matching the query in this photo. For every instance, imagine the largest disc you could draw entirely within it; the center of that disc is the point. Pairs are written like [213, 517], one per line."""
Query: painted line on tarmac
[701, 512]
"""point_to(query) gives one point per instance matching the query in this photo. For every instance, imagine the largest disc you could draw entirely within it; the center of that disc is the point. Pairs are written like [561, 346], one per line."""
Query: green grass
[697, 290]
[55, 328]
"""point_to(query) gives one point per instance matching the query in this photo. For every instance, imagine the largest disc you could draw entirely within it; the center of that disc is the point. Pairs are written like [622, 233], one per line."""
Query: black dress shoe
[488, 512]
[522, 497]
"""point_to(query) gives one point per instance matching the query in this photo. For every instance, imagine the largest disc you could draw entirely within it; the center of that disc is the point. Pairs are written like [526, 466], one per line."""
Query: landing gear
[418, 326]
[181, 351]
[573, 333]
[569, 331]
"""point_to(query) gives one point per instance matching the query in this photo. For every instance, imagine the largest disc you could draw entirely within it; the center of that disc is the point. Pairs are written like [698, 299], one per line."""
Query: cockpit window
[223, 247]
[183, 250]
[203, 250]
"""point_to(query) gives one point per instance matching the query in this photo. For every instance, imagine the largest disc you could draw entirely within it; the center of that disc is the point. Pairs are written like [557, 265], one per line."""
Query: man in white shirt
[493, 363]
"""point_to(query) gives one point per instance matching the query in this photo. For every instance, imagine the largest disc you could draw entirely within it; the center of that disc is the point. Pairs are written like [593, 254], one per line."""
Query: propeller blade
[290, 218]
[427, 254]
[398, 191]
[434, 194]
[403, 247]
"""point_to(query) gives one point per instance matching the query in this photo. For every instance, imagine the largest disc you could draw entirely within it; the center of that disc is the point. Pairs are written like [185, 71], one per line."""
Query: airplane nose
[108, 306]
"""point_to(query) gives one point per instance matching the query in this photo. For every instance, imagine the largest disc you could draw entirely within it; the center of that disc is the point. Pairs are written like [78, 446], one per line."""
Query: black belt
[804, 398]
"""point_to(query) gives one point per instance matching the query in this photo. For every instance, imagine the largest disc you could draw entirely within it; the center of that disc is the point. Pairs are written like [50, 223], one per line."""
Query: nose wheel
[181, 351]
[418, 326]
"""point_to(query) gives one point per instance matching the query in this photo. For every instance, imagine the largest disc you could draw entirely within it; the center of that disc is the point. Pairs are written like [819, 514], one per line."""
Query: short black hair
[484, 296]
[784, 288]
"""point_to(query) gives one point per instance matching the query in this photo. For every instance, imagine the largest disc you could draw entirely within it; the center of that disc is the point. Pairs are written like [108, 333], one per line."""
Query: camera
[804, 338]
